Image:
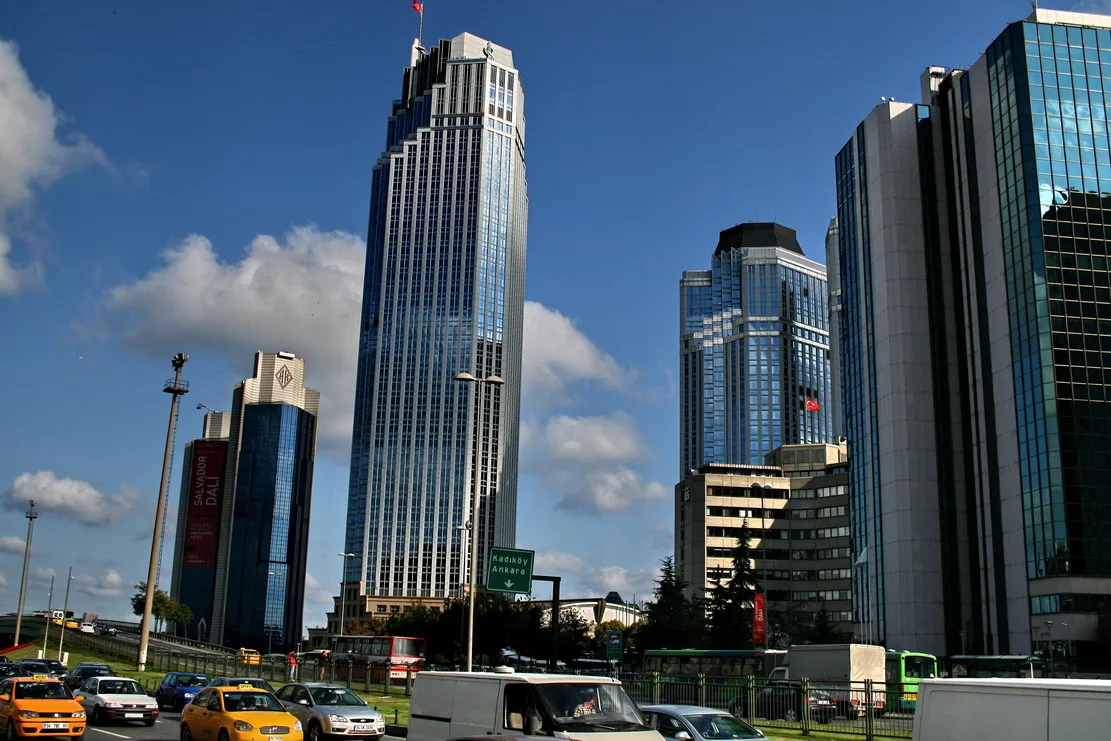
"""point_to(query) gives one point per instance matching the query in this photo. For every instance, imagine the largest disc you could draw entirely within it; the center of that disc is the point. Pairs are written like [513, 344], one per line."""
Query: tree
[673, 620]
[731, 603]
[823, 630]
[164, 609]
[601, 630]
[365, 626]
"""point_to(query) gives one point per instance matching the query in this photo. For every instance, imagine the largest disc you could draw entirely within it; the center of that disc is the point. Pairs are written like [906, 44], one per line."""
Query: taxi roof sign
[246, 686]
[41, 677]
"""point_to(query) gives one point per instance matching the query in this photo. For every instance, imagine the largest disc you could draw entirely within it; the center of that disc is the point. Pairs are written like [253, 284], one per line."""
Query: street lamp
[65, 615]
[31, 515]
[480, 384]
[49, 618]
[343, 591]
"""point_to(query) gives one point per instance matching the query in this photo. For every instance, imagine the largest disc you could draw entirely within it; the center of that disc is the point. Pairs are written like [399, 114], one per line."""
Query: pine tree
[731, 602]
[673, 619]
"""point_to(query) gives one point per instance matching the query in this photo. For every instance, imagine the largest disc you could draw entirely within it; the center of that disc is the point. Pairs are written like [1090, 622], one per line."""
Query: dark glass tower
[443, 294]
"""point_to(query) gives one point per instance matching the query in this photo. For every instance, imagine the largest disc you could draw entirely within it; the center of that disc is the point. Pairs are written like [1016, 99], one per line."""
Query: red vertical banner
[759, 626]
[206, 491]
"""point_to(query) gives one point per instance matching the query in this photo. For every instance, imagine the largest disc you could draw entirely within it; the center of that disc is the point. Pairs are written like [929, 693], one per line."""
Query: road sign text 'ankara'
[510, 570]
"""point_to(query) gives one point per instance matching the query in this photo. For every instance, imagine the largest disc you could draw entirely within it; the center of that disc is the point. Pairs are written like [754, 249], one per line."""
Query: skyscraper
[833, 275]
[754, 350]
[977, 349]
[443, 294]
[261, 559]
[198, 521]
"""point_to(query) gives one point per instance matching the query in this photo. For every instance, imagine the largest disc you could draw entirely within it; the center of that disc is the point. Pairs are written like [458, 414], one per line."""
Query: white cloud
[107, 584]
[42, 577]
[605, 579]
[593, 439]
[560, 563]
[557, 353]
[12, 544]
[316, 593]
[301, 294]
[32, 157]
[68, 497]
[3, 582]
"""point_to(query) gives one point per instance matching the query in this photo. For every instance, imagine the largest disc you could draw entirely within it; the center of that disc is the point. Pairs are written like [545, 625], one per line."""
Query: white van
[449, 705]
[1016, 709]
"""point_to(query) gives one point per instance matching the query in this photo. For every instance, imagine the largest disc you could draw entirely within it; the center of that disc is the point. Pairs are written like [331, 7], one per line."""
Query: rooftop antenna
[419, 7]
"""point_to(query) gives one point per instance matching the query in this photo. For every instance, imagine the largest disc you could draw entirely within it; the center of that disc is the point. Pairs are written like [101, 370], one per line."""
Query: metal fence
[857, 708]
[352, 674]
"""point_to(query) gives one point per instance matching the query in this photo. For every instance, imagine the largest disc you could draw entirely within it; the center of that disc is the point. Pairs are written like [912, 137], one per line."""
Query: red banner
[758, 624]
[206, 491]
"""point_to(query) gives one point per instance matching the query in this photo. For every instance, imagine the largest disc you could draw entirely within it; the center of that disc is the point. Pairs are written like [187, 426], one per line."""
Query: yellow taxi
[39, 706]
[240, 713]
[73, 624]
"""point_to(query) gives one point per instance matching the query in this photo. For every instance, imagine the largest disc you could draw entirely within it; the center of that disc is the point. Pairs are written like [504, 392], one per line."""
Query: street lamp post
[65, 615]
[175, 387]
[479, 383]
[31, 515]
[49, 619]
[343, 591]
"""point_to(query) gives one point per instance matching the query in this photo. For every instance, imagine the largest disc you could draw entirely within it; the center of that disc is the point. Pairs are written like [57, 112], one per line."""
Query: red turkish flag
[418, 6]
[811, 405]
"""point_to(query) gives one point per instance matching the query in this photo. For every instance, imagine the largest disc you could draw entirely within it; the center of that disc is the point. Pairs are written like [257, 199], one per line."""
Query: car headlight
[242, 725]
[297, 726]
[28, 714]
[78, 714]
[112, 705]
[337, 719]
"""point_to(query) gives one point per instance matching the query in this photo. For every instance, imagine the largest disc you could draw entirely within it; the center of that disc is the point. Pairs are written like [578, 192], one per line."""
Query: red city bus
[398, 655]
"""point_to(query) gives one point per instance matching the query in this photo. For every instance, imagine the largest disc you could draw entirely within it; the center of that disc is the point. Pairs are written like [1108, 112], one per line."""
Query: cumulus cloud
[584, 461]
[12, 544]
[557, 353]
[318, 601]
[560, 563]
[108, 584]
[597, 581]
[69, 498]
[32, 157]
[3, 583]
[42, 576]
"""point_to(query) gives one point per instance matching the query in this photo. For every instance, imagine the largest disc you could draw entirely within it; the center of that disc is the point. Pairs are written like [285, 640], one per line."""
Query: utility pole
[176, 388]
[65, 615]
[31, 515]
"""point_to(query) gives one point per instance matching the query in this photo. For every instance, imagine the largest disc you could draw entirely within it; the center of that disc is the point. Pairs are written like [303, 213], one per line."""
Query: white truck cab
[450, 705]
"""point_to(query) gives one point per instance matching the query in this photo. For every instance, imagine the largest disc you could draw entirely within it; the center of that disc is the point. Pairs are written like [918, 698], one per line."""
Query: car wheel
[98, 716]
[791, 715]
[315, 732]
[150, 722]
[10, 733]
[185, 734]
[825, 718]
[223, 735]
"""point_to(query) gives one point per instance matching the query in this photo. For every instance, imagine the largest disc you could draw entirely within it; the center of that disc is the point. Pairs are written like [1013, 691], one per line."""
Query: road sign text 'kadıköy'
[510, 570]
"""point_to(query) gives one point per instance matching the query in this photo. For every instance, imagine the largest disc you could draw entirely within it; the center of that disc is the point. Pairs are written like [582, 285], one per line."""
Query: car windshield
[335, 696]
[42, 691]
[35, 666]
[721, 725]
[260, 683]
[55, 666]
[119, 687]
[588, 704]
[196, 680]
[11, 670]
[240, 702]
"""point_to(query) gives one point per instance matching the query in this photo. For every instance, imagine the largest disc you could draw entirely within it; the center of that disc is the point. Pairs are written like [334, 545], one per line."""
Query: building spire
[418, 6]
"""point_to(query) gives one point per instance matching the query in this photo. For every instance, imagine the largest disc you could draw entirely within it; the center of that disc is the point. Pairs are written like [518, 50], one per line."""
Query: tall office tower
[833, 274]
[261, 558]
[754, 350]
[443, 294]
[977, 350]
[198, 521]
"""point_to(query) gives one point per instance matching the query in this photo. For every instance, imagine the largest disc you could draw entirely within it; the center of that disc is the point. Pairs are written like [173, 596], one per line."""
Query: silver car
[693, 723]
[331, 710]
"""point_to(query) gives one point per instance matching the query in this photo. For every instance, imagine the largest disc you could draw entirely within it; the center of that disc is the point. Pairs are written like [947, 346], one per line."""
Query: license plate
[133, 715]
[55, 726]
[276, 738]
[363, 729]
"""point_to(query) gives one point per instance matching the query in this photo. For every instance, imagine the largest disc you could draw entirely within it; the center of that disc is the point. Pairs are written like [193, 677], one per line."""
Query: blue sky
[163, 168]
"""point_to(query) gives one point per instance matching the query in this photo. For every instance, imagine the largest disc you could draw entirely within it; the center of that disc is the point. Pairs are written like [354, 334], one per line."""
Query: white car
[86, 628]
[108, 699]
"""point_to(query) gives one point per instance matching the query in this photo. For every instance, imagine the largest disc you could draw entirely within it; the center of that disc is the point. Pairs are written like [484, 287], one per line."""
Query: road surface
[167, 728]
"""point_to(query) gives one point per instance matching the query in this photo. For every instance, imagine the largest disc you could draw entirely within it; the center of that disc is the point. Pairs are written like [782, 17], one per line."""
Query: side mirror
[682, 736]
[4, 698]
[303, 702]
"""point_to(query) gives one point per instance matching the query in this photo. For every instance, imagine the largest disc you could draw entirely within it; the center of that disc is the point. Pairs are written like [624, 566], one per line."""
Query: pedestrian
[291, 659]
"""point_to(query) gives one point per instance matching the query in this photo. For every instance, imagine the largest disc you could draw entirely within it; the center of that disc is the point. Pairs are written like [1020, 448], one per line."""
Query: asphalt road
[154, 643]
[167, 728]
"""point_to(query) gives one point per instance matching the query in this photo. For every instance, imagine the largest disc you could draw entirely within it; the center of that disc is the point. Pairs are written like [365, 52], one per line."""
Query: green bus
[692, 662]
[904, 670]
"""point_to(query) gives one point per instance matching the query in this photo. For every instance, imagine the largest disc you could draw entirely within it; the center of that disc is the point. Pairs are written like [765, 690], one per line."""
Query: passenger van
[449, 705]
[1016, 709]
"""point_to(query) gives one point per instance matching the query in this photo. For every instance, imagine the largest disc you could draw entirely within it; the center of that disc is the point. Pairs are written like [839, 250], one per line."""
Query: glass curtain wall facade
[270, 534]
[754, 350]
[443, 293]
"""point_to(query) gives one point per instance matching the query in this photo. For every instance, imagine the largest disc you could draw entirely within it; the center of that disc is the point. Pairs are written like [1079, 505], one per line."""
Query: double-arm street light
[343, 591]
[480, 384]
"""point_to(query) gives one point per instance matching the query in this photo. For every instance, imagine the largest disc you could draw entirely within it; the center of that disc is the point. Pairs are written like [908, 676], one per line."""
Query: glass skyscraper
[981, 481]
[754, 350]
[443, 294]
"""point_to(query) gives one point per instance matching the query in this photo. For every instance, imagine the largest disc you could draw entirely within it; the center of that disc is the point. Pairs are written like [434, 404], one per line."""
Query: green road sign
[613, 645]
[510, 570]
